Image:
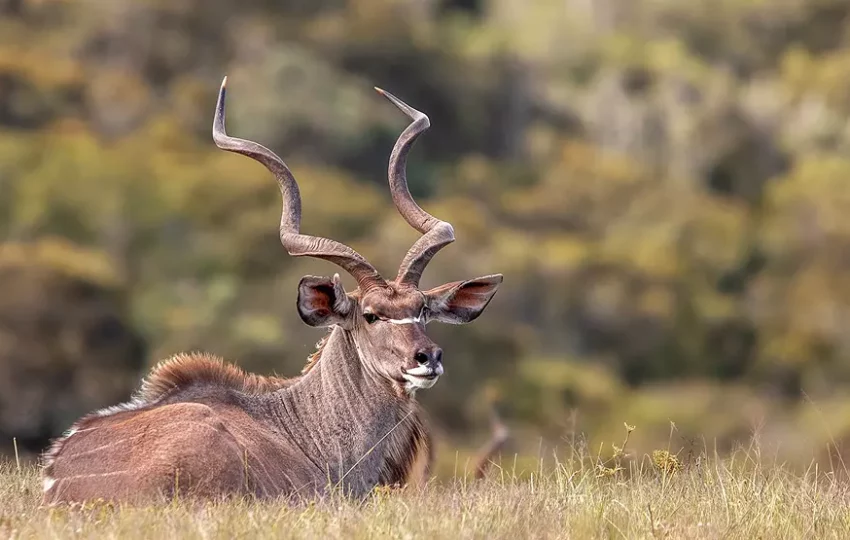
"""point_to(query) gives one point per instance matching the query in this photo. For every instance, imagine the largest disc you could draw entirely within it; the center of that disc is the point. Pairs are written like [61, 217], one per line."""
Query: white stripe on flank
[48, 483]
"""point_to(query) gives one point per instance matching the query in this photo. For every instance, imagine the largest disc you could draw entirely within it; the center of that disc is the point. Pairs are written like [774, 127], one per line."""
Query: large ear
[462, 301]
[322, 301]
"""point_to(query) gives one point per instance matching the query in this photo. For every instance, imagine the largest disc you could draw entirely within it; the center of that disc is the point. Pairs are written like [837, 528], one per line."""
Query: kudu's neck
[340, 414]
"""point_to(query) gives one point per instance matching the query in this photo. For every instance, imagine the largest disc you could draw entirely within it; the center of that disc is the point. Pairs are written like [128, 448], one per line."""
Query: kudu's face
[386, 318]
[388, 323]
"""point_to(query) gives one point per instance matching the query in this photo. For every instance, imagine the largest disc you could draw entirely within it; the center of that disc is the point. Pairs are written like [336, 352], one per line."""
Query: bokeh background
[665, 185]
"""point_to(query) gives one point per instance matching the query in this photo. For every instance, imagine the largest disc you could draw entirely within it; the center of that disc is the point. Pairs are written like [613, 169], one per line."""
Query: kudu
[202, 427]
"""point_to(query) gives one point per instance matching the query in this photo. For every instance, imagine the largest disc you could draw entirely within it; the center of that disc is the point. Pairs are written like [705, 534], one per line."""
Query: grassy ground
[737, 497]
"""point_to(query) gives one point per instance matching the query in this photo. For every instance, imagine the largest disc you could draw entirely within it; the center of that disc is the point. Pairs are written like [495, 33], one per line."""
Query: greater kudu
[203, 427]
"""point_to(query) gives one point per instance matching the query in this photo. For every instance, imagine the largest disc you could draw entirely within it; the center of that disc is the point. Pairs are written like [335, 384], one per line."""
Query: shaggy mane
[313, 358]
[185, 369]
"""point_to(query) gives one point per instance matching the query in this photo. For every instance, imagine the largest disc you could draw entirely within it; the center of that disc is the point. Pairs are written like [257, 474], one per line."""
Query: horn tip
[224, 82]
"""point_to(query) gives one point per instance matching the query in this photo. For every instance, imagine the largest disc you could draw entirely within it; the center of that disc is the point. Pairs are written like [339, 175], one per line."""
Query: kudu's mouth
[424, 376]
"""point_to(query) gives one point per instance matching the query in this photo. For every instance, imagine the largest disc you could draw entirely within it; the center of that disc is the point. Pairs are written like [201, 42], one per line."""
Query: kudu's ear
[322, 301]
[462, 301]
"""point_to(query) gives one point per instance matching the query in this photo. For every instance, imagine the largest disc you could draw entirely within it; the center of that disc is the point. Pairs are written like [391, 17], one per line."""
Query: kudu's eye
[370, 317]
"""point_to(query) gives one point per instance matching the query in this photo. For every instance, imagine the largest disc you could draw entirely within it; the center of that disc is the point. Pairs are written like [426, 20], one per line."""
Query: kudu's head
[386, 318]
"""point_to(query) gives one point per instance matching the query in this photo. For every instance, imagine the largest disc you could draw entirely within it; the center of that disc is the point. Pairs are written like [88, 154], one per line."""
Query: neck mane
[317, 354]
[184, 370]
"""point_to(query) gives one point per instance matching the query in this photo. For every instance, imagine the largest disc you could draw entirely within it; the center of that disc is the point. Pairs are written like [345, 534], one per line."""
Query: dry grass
[736, 497]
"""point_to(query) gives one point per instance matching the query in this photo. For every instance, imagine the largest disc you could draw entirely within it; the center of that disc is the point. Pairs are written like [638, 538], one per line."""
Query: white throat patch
[421, 377]
[418, 383]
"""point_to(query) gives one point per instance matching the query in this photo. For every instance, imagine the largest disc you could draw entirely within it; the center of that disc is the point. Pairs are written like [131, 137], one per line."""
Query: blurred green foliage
[663, 183]
[66, 347]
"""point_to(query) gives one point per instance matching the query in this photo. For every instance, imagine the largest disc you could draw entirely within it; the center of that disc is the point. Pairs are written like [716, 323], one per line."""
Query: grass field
[654, 497]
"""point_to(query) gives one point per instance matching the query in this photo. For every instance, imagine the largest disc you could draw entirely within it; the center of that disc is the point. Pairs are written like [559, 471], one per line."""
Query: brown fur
[201, 402]
[409, 458]
[313, 358]
[187, 369]
[203, 427]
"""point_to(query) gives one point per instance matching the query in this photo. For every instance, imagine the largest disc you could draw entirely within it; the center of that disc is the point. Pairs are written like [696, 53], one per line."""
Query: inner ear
[322, 301]
[462, 301]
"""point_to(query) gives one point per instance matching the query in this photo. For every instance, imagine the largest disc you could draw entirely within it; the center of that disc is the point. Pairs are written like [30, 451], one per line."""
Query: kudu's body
[201, 427]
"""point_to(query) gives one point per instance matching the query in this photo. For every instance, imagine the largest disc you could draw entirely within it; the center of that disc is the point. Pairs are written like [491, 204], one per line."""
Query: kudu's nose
[430, 355]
